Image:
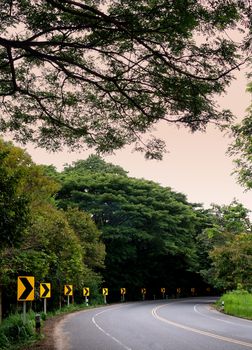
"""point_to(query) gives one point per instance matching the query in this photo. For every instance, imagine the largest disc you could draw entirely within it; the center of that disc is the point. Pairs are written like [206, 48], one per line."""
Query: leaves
[38, 239]
[227, 246]
[241, 149]
[88, 74]
[142, 224]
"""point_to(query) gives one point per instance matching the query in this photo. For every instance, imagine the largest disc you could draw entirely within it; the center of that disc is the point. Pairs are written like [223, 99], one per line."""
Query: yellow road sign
[104, 291]
[162, 290]
[68, 289]
[25, 288]
[45, 290]
[86, 292]
[143, 290]
[123, 291]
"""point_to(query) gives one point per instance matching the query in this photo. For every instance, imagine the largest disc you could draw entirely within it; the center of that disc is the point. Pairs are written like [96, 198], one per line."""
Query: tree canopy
[36, 237]
[226, 247]
[241, 148]
[149, 231]
[102, 73]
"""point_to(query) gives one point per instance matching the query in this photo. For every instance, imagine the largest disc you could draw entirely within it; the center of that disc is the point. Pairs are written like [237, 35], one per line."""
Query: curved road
[185, 324]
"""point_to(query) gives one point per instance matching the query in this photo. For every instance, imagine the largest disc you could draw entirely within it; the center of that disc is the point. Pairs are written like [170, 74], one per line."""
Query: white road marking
[195, 330]
[106, 333]
[220, 319]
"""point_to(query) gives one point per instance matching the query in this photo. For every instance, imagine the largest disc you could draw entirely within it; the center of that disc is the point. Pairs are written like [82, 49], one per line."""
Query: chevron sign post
[86, 292]
[68, 291]
[45, 292]
[105, 293]
[25, 291]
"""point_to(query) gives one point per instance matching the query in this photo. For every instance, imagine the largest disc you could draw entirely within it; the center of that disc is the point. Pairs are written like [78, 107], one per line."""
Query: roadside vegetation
[14, 333]
[91, 225]
[237, 303]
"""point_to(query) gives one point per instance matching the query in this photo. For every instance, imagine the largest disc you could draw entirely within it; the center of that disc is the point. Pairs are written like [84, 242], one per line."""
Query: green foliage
[94, 164]
[14, 209]
[241, 148]
[227, 244]
[45, 244]
[232, 262]
[148, 230]
[13, 331]
[237, 303]
[89, 236]
[101, 74]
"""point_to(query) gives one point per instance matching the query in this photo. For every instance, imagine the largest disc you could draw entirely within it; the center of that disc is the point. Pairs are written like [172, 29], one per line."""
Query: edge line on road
[106, 333]
[226, 321]
[198, 331]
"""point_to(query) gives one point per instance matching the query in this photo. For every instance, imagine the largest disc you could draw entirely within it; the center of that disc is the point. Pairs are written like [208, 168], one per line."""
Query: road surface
[182, 324]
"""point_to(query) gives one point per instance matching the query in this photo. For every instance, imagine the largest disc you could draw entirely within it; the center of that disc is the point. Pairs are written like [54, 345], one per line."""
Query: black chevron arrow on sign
[28, 288]
[46, 290]
[69, 289]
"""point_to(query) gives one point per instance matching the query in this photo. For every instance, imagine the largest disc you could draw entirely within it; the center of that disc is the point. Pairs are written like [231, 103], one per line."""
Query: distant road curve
[181, 324]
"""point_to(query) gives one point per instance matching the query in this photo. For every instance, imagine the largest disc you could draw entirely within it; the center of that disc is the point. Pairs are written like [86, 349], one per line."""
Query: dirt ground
[48, 341]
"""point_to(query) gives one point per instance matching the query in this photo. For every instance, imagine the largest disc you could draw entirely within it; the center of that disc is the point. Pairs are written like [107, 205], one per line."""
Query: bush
[237, 303]
[14, 331]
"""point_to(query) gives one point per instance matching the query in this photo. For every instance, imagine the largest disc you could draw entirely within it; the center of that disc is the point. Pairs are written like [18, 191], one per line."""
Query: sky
[196, 164]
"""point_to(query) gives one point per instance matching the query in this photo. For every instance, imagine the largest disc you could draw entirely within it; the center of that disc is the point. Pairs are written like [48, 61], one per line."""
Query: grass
[237, 303]
[69, 309]
[14, 332]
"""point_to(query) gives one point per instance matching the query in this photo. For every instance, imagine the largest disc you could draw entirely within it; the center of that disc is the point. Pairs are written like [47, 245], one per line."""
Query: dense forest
[92, 225]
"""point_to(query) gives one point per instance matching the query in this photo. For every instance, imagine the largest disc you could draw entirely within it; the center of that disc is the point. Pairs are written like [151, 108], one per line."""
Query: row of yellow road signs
[26, 289]
[144, 291]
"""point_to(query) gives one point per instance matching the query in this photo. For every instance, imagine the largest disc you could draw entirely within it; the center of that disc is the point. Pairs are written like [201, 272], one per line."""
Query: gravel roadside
[48, 341]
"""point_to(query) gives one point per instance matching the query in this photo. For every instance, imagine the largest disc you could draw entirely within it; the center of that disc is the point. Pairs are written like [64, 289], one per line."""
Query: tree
[226, 246]
[232, 263]
[89, 236]
[101, 74]
[148, 230]
[94, 164]
[14, 204]
[241, 148]
[38, 239]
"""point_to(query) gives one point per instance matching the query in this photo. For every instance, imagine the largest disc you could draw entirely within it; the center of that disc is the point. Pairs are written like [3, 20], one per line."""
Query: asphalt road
[182, 324]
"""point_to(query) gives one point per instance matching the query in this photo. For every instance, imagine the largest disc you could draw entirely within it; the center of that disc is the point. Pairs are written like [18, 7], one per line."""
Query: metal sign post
[123, 292]
[45, 292]
[25, 291]
[68, 291]
[24, 311]
[45, 306]
[86, 292]
[143, 291]
[105, 293]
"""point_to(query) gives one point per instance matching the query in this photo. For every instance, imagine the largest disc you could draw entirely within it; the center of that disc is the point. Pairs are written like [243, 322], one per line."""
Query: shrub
[14, 331]
[237, 303]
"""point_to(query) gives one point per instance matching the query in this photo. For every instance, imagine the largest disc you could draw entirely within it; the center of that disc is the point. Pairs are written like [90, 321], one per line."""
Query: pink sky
[196, 165]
